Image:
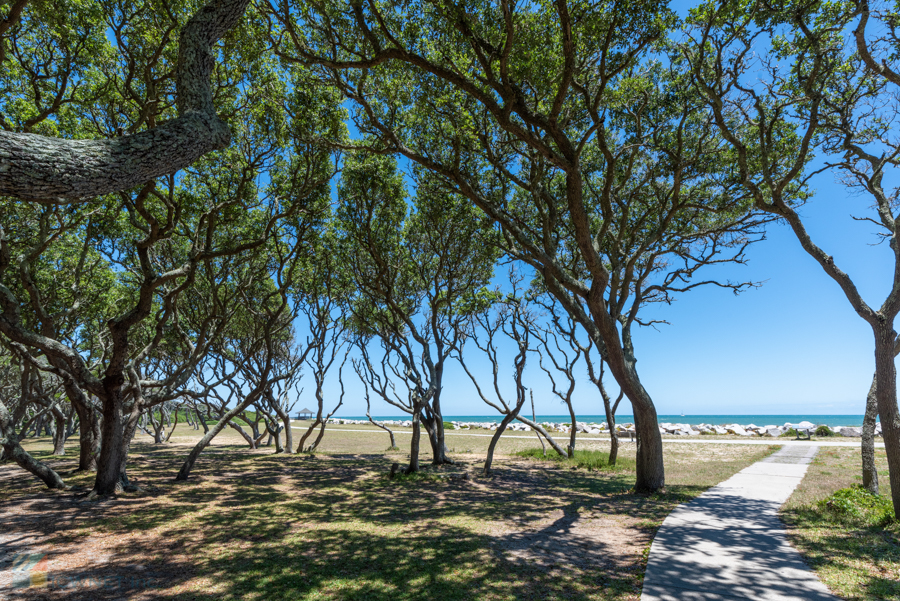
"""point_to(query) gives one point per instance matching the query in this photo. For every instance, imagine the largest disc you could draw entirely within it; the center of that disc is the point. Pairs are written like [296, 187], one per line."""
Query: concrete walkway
[729, 543]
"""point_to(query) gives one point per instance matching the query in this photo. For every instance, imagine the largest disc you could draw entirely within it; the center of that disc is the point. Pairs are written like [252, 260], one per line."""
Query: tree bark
[9, 440]
[540, 430]
[570, 450]
[438, 443]
[308, 432]
[413, 466]
[886, 394]
[288, 435]
[434, 428]
[315, 444]
[869, 473]
[650, 470]
[110, 477]
[59, 433]
[382, 426]
[39, 167]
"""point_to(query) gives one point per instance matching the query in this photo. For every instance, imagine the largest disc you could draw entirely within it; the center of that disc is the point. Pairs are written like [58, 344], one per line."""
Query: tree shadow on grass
[259, 525]
[867, 558]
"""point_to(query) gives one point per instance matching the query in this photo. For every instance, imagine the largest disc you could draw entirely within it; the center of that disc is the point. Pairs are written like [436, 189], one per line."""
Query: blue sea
[759, 420]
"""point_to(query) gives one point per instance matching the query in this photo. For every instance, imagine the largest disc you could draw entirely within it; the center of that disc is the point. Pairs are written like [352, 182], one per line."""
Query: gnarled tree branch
[38, 167]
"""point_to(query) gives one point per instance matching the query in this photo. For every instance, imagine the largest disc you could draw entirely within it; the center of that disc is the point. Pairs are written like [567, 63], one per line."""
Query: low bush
[824, 431]
[859, 505]
[789, 432]
[449, 426]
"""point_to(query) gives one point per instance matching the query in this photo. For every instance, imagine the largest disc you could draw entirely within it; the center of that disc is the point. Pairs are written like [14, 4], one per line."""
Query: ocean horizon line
[778, 419]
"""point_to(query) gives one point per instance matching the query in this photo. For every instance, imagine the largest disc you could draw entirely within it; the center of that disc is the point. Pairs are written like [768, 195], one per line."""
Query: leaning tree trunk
[315, 444]
[9, 440]
[650, 470]
[308, 432]
[288, 435]
[570, 450]
[202, 422]
[886, 393]
[13, 450]
[542, 432]
[869, 473]
[188, 464]
[496, 438]
[383, 427]
[88, 430]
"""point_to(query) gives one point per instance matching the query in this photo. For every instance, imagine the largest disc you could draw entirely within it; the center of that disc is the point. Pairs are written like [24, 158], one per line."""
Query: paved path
[729, 543]
[582, 437]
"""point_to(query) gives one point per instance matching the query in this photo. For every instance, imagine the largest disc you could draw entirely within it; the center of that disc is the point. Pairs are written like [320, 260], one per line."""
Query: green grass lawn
[256, 525]
[853, 557]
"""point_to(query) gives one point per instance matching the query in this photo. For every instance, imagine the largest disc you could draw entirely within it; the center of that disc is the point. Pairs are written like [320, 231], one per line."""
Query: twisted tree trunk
[39, 167]
[9, 441]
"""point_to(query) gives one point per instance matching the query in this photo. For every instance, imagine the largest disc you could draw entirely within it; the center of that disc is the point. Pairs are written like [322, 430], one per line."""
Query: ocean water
[759, 420]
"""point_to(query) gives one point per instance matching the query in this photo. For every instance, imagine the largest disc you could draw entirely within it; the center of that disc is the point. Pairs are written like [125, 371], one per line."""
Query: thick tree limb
[38, 167]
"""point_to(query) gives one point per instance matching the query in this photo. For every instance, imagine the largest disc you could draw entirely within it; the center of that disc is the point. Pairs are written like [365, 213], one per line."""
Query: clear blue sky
[792, 346]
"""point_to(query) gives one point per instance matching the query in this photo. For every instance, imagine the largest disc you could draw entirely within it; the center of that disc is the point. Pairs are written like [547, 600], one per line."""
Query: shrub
[824, 431]
[449, 426]
[858, 504]
[789, 432]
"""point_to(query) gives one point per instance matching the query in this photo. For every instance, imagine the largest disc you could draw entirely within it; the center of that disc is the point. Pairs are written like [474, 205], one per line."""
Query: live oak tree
[23, 399]
[492, 318]
[560, 353]
[600, 164]
[177, 245]
[323, 294]
[561, 325]
[800, 88]
[413, 267]
[266, 326]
